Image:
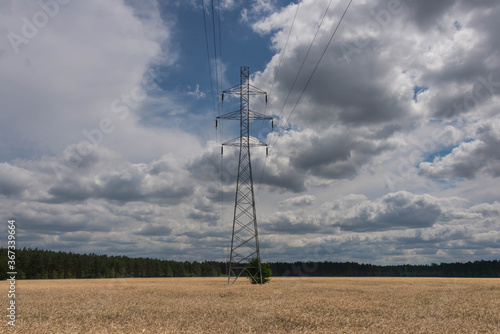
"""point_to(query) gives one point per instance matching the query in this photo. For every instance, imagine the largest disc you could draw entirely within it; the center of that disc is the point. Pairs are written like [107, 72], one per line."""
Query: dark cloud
[202, 216]
[76, 237]
[13, 180]
[486, 27]
[316, 152]
[426, 14]
[284, 179]
[108, 176]
[201, 234]
[335, 153]
[155, 230]
[69, 190]
[289, 223]
[52, 219]
[395, 211]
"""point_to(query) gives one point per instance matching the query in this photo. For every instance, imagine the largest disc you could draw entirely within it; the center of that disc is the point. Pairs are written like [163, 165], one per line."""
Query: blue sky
[108, 145]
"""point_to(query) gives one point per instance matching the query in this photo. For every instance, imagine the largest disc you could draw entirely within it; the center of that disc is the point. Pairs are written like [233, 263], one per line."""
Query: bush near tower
[252, 269]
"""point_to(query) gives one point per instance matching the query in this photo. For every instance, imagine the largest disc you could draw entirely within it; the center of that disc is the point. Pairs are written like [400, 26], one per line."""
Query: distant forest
[45, 264]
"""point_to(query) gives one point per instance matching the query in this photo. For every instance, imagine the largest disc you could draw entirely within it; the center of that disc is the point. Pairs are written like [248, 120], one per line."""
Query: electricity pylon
[245, 238]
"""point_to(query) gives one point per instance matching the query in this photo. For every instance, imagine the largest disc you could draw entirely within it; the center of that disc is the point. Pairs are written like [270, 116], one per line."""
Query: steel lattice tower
[245, 238]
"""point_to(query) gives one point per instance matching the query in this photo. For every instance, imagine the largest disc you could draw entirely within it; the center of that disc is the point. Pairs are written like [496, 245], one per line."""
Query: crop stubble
[286, 305]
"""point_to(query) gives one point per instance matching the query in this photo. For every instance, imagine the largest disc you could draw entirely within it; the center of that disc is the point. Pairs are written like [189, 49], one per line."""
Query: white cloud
[298, 201]
[80, 68]
[196, 93]
[256, 9]
[469, 158]
[399, 227]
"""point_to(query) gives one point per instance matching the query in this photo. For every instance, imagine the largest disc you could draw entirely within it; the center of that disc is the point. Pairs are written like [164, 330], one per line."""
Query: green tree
[252, 270]
[170, 272]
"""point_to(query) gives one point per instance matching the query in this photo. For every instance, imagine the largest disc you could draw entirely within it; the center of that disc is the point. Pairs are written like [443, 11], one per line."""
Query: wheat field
[286, 305]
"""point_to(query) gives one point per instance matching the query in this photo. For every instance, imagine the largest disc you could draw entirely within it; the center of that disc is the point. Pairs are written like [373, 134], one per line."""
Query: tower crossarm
[257, 116]
[235, 90]
[252, 142]
[250, 90]
[233, 115]
[252, 116]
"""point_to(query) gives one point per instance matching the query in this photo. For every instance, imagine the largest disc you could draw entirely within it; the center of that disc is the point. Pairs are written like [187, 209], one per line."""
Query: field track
[286, 305]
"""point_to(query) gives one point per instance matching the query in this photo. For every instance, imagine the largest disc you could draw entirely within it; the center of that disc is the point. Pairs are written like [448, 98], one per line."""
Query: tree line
[469, 269]
[46, 264]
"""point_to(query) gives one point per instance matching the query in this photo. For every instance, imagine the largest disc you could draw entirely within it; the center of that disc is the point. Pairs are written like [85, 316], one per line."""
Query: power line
[208, 56]
[284, 50]
[305, 58]
[220, 40]
[316, 67]
[296, 77]
[220, 161]
[218, 63]
[276, 75]
[215, 57]
[220, 106]
[221, 131]
[310, 77]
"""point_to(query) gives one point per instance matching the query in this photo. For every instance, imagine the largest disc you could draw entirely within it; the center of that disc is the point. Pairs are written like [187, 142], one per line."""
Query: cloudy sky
[385, 148]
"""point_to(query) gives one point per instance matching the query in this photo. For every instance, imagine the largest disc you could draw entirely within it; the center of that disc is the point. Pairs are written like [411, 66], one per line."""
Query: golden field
[285, 305]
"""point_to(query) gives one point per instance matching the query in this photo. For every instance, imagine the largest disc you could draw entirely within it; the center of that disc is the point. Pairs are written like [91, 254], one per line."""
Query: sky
[385, 147]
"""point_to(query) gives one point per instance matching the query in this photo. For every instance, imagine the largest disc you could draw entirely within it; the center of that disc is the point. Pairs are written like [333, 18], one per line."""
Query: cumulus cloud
[398, 227]
[355, 213]
[105, 193]
[155, 230]
[72, 70]
[394, 211]
[14, 180]
[256, 9]
[340, 90]
[298, 201]
[288, 222]
[480, 155]
[362, 96]
[104, 174]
